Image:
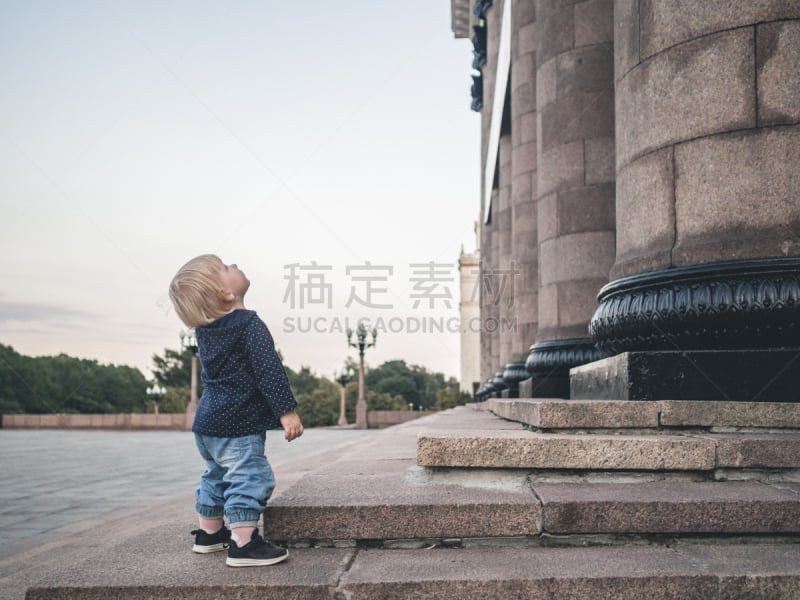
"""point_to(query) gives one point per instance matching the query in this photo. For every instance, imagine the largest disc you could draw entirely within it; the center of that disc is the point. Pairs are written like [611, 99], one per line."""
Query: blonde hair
[196, 291]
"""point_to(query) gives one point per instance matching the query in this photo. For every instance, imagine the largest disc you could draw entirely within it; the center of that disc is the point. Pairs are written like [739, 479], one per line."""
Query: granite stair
[584, 503]
[472, 476]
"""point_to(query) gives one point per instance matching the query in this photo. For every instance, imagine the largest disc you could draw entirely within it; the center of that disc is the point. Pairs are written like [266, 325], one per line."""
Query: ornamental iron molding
[746, 304]
[557, 357]
[480, 8]
[478, 46]
[514, 374]
[477, 92]
[498, 385]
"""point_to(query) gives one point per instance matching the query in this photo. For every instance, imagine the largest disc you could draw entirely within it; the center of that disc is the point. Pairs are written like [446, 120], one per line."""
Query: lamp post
[155, 393]
[189, 342]
[361, 344]
[345, 377]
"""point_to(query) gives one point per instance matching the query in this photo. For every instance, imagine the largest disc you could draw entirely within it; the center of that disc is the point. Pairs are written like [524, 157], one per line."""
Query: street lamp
[156, 393]
[361, 344]
[189, 342]
[345, 377]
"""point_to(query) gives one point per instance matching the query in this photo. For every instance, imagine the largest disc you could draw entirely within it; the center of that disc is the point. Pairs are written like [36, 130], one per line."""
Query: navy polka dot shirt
[245, 387]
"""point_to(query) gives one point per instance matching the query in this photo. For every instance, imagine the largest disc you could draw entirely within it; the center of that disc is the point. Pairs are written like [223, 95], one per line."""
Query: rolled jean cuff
[243, 524]
[243, 518]
[209, 512]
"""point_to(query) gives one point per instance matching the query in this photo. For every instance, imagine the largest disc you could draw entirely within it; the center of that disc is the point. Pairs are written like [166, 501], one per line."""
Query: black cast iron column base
[732, 305]
[735, 375]
[514, 374]
[549, 363]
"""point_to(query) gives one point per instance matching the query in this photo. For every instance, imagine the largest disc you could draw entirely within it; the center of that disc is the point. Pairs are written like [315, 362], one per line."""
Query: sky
[326, 148]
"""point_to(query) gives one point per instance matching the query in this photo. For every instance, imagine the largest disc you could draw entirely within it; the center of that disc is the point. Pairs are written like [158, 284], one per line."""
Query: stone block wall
[708, 133]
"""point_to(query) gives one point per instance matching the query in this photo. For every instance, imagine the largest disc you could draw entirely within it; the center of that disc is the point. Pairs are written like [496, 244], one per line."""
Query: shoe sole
[255, 562]
[209, 549]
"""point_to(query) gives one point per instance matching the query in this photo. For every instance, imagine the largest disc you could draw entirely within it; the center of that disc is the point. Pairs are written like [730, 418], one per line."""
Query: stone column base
[735, 375]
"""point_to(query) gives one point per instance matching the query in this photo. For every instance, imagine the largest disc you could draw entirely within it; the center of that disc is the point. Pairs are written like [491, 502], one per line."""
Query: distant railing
[174, 421]
[378, 419]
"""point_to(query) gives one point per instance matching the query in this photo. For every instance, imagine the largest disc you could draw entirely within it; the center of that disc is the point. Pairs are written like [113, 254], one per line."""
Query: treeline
[64, 384]
[394, 385]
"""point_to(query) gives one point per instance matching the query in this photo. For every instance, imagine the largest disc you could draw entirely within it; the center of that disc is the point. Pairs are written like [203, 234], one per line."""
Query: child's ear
[226, 295]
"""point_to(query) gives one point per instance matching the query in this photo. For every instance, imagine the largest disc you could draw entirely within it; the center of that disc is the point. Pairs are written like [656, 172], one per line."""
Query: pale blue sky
[135, 135]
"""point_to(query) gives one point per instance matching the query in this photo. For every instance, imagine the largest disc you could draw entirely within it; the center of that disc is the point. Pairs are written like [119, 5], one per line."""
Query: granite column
[707, 266]
[575, 182]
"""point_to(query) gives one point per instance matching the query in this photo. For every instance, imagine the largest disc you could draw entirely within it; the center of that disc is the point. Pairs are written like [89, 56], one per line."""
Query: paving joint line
[339, 593]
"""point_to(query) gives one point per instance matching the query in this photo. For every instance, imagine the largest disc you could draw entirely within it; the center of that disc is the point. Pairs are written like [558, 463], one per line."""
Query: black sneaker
[256, 553]
[205, 543]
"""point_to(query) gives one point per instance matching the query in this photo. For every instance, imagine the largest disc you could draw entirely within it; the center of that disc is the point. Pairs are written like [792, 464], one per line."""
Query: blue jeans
[237, 481]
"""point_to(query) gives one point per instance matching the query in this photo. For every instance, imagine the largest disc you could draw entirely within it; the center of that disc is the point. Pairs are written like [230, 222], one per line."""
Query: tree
[415, 384]
[318, 408]
[384, 401]
[62, 383]
[403, 386]
[175, 400]
[16, 384]
[317, 398]
[302, 382]
[174, 369]
[451, 396]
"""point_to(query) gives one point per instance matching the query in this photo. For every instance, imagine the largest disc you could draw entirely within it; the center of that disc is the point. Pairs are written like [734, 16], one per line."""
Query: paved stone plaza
[53, 480]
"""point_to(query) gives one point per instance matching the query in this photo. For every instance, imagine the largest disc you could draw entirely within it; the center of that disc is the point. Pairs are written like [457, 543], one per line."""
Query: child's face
[233, 280]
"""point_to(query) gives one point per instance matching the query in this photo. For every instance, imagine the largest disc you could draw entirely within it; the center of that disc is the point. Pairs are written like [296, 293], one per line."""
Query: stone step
[686, 571]
[577, 414]
[698, 413]
[636, 452]
[395, 503]
[356, 500]
[670, 507]
[555, 414]
[394, 499]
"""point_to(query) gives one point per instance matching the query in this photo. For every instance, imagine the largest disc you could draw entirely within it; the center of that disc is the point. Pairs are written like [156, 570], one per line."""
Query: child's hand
[292, 426]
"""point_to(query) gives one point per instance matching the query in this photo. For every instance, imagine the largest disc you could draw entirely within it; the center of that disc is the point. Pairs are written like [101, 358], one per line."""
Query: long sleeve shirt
[245, 387]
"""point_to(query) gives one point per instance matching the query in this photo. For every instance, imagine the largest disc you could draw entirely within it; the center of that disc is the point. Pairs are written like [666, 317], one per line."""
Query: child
[245, 392]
